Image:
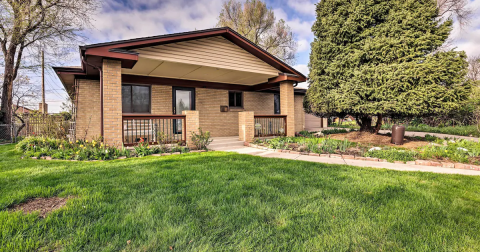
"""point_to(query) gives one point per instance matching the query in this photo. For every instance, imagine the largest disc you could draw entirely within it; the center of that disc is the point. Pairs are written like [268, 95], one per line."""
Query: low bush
[334, 131]
[202, 139]
[87, 150]
[392, 154]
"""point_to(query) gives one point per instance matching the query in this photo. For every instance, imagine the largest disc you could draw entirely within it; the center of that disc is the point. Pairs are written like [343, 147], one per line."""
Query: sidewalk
[360, 163]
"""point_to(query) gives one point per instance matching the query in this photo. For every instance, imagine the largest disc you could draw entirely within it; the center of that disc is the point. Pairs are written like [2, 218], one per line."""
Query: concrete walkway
[413, 134]
[233, 144]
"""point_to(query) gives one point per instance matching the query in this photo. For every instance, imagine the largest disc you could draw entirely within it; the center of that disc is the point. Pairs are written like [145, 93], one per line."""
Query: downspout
[101, 93]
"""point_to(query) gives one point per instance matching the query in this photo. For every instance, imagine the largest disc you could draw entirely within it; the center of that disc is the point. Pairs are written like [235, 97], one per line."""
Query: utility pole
[43, 84]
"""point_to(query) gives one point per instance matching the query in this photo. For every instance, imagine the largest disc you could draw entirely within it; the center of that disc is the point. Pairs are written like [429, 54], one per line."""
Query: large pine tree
[378, 58]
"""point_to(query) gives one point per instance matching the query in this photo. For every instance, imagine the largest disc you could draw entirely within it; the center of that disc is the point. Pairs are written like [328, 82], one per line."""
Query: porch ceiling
[160, 68]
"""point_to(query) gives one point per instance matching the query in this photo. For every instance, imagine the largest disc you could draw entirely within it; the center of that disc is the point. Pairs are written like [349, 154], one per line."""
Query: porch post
[246, 127]
[287, 102]
[112, 102]
[192, 124]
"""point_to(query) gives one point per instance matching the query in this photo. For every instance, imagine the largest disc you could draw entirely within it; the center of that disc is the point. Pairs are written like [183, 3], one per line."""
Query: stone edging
[416, 162]
[122, 157]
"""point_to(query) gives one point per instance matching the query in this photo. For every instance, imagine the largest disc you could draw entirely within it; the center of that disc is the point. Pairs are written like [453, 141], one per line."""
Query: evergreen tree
[378, 58]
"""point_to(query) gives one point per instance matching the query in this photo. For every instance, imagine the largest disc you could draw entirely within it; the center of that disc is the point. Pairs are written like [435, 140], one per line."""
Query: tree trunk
[8, 78]
[365, 123]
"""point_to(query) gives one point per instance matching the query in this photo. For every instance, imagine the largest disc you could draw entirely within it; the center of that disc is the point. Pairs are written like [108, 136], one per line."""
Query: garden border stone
[371, 159]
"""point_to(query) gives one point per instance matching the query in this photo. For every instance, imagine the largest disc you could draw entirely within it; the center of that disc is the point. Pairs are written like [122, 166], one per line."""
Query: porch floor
[226, 143]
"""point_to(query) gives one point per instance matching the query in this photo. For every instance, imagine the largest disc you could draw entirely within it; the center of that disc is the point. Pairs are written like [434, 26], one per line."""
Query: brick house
[164, 87]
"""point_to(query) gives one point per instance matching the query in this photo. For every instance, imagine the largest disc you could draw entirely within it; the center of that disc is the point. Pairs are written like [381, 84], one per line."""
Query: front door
[183, 99]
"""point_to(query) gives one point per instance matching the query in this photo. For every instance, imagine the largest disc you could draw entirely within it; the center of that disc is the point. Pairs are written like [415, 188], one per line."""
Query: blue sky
[126, 19]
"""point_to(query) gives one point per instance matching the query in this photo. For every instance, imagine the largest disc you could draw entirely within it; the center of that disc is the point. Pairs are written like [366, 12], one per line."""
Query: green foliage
[334, 131]
[393, 154]
[202, 139]
[455, 150]
[379, 58]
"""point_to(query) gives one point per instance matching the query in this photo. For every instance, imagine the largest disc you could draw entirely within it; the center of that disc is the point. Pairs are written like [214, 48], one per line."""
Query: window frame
[131, 98]
[279, 105]
[235, 99]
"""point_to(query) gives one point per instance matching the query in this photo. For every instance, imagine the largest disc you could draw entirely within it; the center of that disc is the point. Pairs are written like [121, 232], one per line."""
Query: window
[235, 99]
[276, 104]
[135, 99]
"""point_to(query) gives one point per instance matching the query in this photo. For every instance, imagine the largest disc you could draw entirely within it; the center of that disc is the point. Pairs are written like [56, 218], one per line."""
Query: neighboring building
[159, 88]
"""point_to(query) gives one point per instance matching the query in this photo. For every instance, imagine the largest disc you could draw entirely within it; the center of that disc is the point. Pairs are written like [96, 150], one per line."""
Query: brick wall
[299, 113]
[208, 102]
[246, 126]
[287, 106]
[192, 118]
[88, 109]
[112, 102]
[162, 100]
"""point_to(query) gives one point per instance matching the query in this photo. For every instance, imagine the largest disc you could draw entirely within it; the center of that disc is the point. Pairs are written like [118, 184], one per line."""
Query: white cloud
[302, 68]
[302, 6]
[303, 45]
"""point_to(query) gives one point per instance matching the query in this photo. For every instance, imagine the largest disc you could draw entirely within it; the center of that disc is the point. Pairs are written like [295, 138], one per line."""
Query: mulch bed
[44, 205]
[377, 139]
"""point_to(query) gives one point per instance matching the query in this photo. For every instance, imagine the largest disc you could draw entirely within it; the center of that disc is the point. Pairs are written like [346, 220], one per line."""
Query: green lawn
[220, 201]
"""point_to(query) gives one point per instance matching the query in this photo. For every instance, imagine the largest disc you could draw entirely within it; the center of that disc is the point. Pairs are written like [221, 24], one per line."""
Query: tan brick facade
[192, 125]
[161, 100]
[299, 113]
[112, 102]
[88, 110]
[287, 105]
[246, 126]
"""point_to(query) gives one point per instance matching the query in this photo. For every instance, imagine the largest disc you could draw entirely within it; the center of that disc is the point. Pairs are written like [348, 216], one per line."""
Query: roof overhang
[92, 55]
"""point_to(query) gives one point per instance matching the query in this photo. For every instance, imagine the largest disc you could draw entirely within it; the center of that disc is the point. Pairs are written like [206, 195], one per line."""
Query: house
[161, 88]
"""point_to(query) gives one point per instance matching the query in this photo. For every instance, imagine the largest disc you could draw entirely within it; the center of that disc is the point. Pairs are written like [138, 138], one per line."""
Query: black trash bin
[398, 133]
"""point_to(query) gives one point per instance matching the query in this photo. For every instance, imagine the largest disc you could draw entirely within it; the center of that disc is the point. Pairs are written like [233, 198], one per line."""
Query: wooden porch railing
[270, 125]
[154, 129]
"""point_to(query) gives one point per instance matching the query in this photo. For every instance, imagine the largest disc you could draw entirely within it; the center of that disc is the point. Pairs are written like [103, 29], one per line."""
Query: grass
[220, 201]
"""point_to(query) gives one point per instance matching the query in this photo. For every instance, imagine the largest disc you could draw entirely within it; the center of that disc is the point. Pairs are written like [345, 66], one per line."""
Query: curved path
[233, 144]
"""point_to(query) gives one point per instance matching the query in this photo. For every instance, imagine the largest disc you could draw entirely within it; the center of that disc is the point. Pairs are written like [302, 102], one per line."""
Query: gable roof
[92, 55]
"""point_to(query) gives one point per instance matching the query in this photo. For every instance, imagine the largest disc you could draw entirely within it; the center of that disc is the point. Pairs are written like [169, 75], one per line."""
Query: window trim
[235, 99]
[131, 98]
[174, 97]
[279, 105]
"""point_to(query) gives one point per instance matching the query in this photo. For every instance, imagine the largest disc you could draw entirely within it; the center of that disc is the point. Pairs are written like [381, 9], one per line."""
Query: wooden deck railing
[270, 125]
[154, 129]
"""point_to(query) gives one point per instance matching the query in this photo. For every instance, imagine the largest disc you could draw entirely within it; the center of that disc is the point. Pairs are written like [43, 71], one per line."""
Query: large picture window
[135, 99]
[235, 99]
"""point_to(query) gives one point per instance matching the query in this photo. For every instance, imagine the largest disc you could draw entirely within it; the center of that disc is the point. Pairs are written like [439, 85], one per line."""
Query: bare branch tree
[474, 68]
[256, 22]
[455, 9]
[29, 26]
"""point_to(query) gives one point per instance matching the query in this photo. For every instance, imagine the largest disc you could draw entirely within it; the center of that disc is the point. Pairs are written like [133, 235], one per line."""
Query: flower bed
[41, 147]
[436, 149]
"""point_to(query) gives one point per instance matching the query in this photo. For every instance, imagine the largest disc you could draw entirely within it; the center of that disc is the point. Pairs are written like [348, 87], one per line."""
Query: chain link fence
[10, 133]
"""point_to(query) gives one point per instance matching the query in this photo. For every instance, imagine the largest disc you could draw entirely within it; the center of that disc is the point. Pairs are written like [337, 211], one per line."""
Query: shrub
[392, 154]
[334, 131]
[201, 140]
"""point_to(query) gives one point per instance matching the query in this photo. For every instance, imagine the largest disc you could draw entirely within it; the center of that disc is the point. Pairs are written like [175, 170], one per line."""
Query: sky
[126, 19]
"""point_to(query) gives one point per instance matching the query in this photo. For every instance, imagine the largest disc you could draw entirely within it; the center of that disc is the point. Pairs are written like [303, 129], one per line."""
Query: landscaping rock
[324, 155]
[286, 151]
[176, 153]
[294, 152]
[278, 150]
[410, 162]
[398, 162]
[437, 164]
[448, 165]
[34, 157]
[313, 154]
[155, 155]
[375, 148]
[371, 159]
[335, 156]
[166, 154]
[382, 160]
[246, 143]
[202, 150]
[422, 162]
[48, 158]
[123, 157]
[360, 158]
[459, 166]
[348, 156]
